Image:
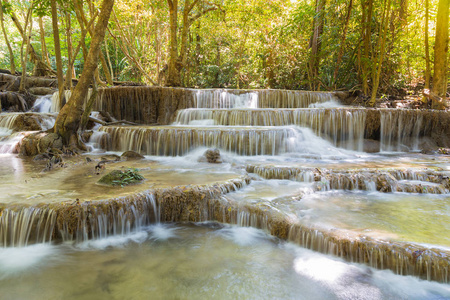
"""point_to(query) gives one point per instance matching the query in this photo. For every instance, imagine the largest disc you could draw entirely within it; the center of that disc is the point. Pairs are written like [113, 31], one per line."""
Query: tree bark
[69, 119]
[427, 49]
[343, 37]
[173, 76]
[378, 61]
[43, 43]
[68, 81]
[11, 53]
[26, 40]
[59, 70]
[367, 9]
[314, 60]
[441, 51]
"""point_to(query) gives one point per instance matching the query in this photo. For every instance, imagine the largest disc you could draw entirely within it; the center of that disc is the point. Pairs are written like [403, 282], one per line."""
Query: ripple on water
[203, 261]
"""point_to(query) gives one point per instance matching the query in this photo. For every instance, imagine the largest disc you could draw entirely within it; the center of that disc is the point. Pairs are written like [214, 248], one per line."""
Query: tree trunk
[109, 61]
[441, 51]
[59, 70]
[69, 118]
[173, 76]
[43, 43]
[11, 53]
[26, 40]
[367, 9]
[314, 60]
[427, 50]
[343, 37]
[102, 57]
[378, 62]
[68, 81]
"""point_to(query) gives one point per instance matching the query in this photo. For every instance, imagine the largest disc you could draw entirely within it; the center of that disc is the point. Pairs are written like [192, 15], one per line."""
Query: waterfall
[220, 98]
[43, 104]
[410, 181]
[177, 141]
[56, 103]
[342, 127]
[400, 129]
[8, 120]
[19, 227]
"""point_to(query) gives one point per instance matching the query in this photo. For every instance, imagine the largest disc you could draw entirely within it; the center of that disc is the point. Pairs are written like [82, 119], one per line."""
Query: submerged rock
[371, 146]
[211, 156]
[111, 157]
[122, 178]
[130, 155]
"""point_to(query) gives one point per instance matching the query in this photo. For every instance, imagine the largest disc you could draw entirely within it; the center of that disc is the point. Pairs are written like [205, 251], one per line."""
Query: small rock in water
[111, 157]
[130, 155]
[211, 156]
[445, 151]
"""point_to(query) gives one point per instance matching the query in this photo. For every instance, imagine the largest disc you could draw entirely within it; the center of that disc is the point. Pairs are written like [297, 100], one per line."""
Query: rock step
[177, 141]
[410, 181]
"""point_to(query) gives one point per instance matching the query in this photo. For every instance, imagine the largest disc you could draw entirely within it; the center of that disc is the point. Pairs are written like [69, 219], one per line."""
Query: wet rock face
[143, 104]
[211, 156]
[13, 102]
[37, 143]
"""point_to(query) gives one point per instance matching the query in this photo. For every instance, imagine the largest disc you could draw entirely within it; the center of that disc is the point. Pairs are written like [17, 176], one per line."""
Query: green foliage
[245, 44]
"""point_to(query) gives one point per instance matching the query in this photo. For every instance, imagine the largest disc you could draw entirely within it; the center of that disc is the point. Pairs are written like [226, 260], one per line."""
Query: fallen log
[111, 123]
[437, 102]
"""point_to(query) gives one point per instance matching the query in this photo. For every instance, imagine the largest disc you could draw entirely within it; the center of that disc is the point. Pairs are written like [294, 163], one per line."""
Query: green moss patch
[121, 178]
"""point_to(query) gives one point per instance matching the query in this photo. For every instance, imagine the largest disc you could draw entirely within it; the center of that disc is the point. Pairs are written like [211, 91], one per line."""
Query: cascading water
[304, 187]
[44, 104]
[342, 127]
[399, 130]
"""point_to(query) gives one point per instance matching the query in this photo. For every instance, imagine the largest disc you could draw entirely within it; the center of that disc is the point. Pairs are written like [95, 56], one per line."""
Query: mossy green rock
[122, 178]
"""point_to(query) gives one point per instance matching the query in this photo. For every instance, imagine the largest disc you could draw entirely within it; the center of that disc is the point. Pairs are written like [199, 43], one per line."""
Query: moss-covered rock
[122, 178]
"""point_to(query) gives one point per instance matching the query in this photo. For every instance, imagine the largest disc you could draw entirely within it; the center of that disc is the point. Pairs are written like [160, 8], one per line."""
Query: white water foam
[14, 261]
[9, 144]
[113, 241]
[43, 104]
[162, 232]
[327, 104]
[244, 236]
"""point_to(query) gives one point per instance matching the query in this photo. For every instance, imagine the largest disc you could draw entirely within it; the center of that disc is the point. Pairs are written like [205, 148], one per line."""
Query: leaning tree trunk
[69, 118]
[5, 34]
[441, 51]
[314, 59]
